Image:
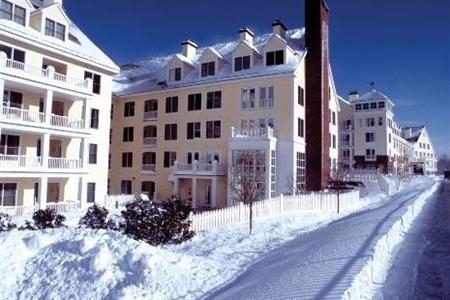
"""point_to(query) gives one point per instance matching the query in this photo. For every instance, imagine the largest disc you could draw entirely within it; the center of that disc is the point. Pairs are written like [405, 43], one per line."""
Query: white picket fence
[272, 207]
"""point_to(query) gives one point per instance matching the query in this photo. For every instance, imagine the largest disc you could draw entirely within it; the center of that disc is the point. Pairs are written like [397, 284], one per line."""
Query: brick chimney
[189, 49]
[316, 92]
[245, 34]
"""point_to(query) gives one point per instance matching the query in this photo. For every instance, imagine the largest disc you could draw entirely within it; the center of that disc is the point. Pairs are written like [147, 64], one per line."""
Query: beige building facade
[54, 117]
[179, 121]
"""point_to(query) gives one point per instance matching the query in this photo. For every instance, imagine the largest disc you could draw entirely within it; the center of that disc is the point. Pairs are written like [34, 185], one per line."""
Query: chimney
[189, 49]
[51, 2]
[245, 34]
[353, 95]
[279, 28]
[316, 91]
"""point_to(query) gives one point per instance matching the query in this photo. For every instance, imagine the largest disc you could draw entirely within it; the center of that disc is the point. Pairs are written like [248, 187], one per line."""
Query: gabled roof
[183, 59]
[373, 95]
[44, 8]
[247, 44]
[153, 71]
[415, 133]
[213, 51]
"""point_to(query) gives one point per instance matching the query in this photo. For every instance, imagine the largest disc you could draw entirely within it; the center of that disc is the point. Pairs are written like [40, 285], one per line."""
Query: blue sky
[401, 45]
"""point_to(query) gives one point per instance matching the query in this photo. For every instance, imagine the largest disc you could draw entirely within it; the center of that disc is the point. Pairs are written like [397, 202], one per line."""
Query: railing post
[215, 166]
[232, 131]
[48, 106]
[281, 203]
[45, 149]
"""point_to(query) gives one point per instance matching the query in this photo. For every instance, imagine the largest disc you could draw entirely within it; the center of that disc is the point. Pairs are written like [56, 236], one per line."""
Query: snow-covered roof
[373, 95]
[151, 73]
[413, 133]
[78, 44]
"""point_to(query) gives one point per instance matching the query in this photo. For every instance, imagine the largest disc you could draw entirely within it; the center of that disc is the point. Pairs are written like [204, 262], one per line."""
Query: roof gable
[53, 8]
[245, 46]
[210, 54]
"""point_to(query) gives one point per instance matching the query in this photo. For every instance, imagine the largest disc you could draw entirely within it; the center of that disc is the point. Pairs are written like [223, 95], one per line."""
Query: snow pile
[372, 276]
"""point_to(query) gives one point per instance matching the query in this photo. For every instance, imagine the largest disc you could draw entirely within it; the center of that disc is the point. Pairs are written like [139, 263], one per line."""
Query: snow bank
[373, 274]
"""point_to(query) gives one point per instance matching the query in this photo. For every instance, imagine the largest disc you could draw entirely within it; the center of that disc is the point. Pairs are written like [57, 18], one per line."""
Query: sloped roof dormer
[276, 42]
[179, 61]
[208, 56]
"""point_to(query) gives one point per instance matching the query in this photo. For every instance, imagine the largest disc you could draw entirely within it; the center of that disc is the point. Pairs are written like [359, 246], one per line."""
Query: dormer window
[10, 11]
[208, 69]
[174, 74]
[275, 58]
[242, 63]
[55, 29]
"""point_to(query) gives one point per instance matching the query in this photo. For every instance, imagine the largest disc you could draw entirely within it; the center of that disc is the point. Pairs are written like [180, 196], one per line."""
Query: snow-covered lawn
[73, 263]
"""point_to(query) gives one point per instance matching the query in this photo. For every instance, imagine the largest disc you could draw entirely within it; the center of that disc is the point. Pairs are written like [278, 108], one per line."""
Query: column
[45, 149]
[42, 195]
[84, 155]
[48, 103]
[214, 192]
[86, 113]
[176, 186]
[194, 192]
[83, 192]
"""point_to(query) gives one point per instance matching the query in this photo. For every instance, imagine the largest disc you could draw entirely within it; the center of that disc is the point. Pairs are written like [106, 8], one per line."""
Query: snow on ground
[85, 264]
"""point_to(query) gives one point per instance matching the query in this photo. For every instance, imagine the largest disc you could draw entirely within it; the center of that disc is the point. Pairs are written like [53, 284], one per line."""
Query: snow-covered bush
[158, 223]
[27, 226]
[96, 217]
[48, 218]
[6, 223]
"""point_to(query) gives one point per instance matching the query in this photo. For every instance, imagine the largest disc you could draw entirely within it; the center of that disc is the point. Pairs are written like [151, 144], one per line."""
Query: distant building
[424, 157]
[179, 121]
[54, 117]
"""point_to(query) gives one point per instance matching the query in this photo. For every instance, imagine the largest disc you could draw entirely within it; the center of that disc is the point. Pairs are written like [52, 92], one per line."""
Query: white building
[424, 159]
[55, 113]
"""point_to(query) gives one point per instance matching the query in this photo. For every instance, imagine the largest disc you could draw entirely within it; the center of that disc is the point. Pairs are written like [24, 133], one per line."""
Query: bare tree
[338, 175]
[400, 171]
[294, 186]
[247, 178]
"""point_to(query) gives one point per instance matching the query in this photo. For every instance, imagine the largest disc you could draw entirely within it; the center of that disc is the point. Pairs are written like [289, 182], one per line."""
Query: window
[126, 187]
[170, 132]
[381, 104]
[266, 97]
[365, 106]
[193, 130]
[358, 107]
[214, 100]
[8, 192]
[12, 12]
[370, 137]
[370, 122]
[373, 105]
[208, 69]
[370, 154]
[14, 54]
[55, 29]
[301, 171]
[275, 58]
[301, 96]
[333, 118]
[12, 99]
[380, 121]
[242, 63]
[194, 102]
[94, 118]
[174, 74]
[128, 134]
[334, 141]
[127, 159]
[390, 140]
[248, 98]
[193, 156]
[301, 127]
[212, 129]
[9, 144]
[90, 192]
[93, 153]
[110, 135]
[111, 112]
[171, 104]
[128, 109]
[169, 159]
[96, 81]
[109, 161]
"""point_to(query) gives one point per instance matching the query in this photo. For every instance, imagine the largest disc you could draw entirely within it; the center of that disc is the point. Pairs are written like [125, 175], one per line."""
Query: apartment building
[54, 117]
[424, 159]
[180, 122]
[369, 135]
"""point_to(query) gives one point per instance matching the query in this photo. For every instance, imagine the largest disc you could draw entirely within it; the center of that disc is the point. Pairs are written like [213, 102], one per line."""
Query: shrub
[158, 223]
[48, 218]
[27, 226]
[95, 218]
[6, 223]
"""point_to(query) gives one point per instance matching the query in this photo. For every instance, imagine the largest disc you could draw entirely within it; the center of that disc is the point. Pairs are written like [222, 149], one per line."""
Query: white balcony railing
[149, 141]
[24, 115]
[198, 168]
[150, 115]
[65, 206]
[66, 122]
[371, 157]
[148, 168]
[346, 127]
[46, 74]
[252, 133]
[64, 163]
[19, 161]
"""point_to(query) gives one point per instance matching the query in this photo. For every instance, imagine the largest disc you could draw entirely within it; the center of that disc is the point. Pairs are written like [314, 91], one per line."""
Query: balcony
[256, 133]
[46, 76]
[22, 115]
[66, 122]
[28, 163]
[150, 115]
[199, 169]
[148, 169]
[345, 144]
[346, 128]
[149, 141]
